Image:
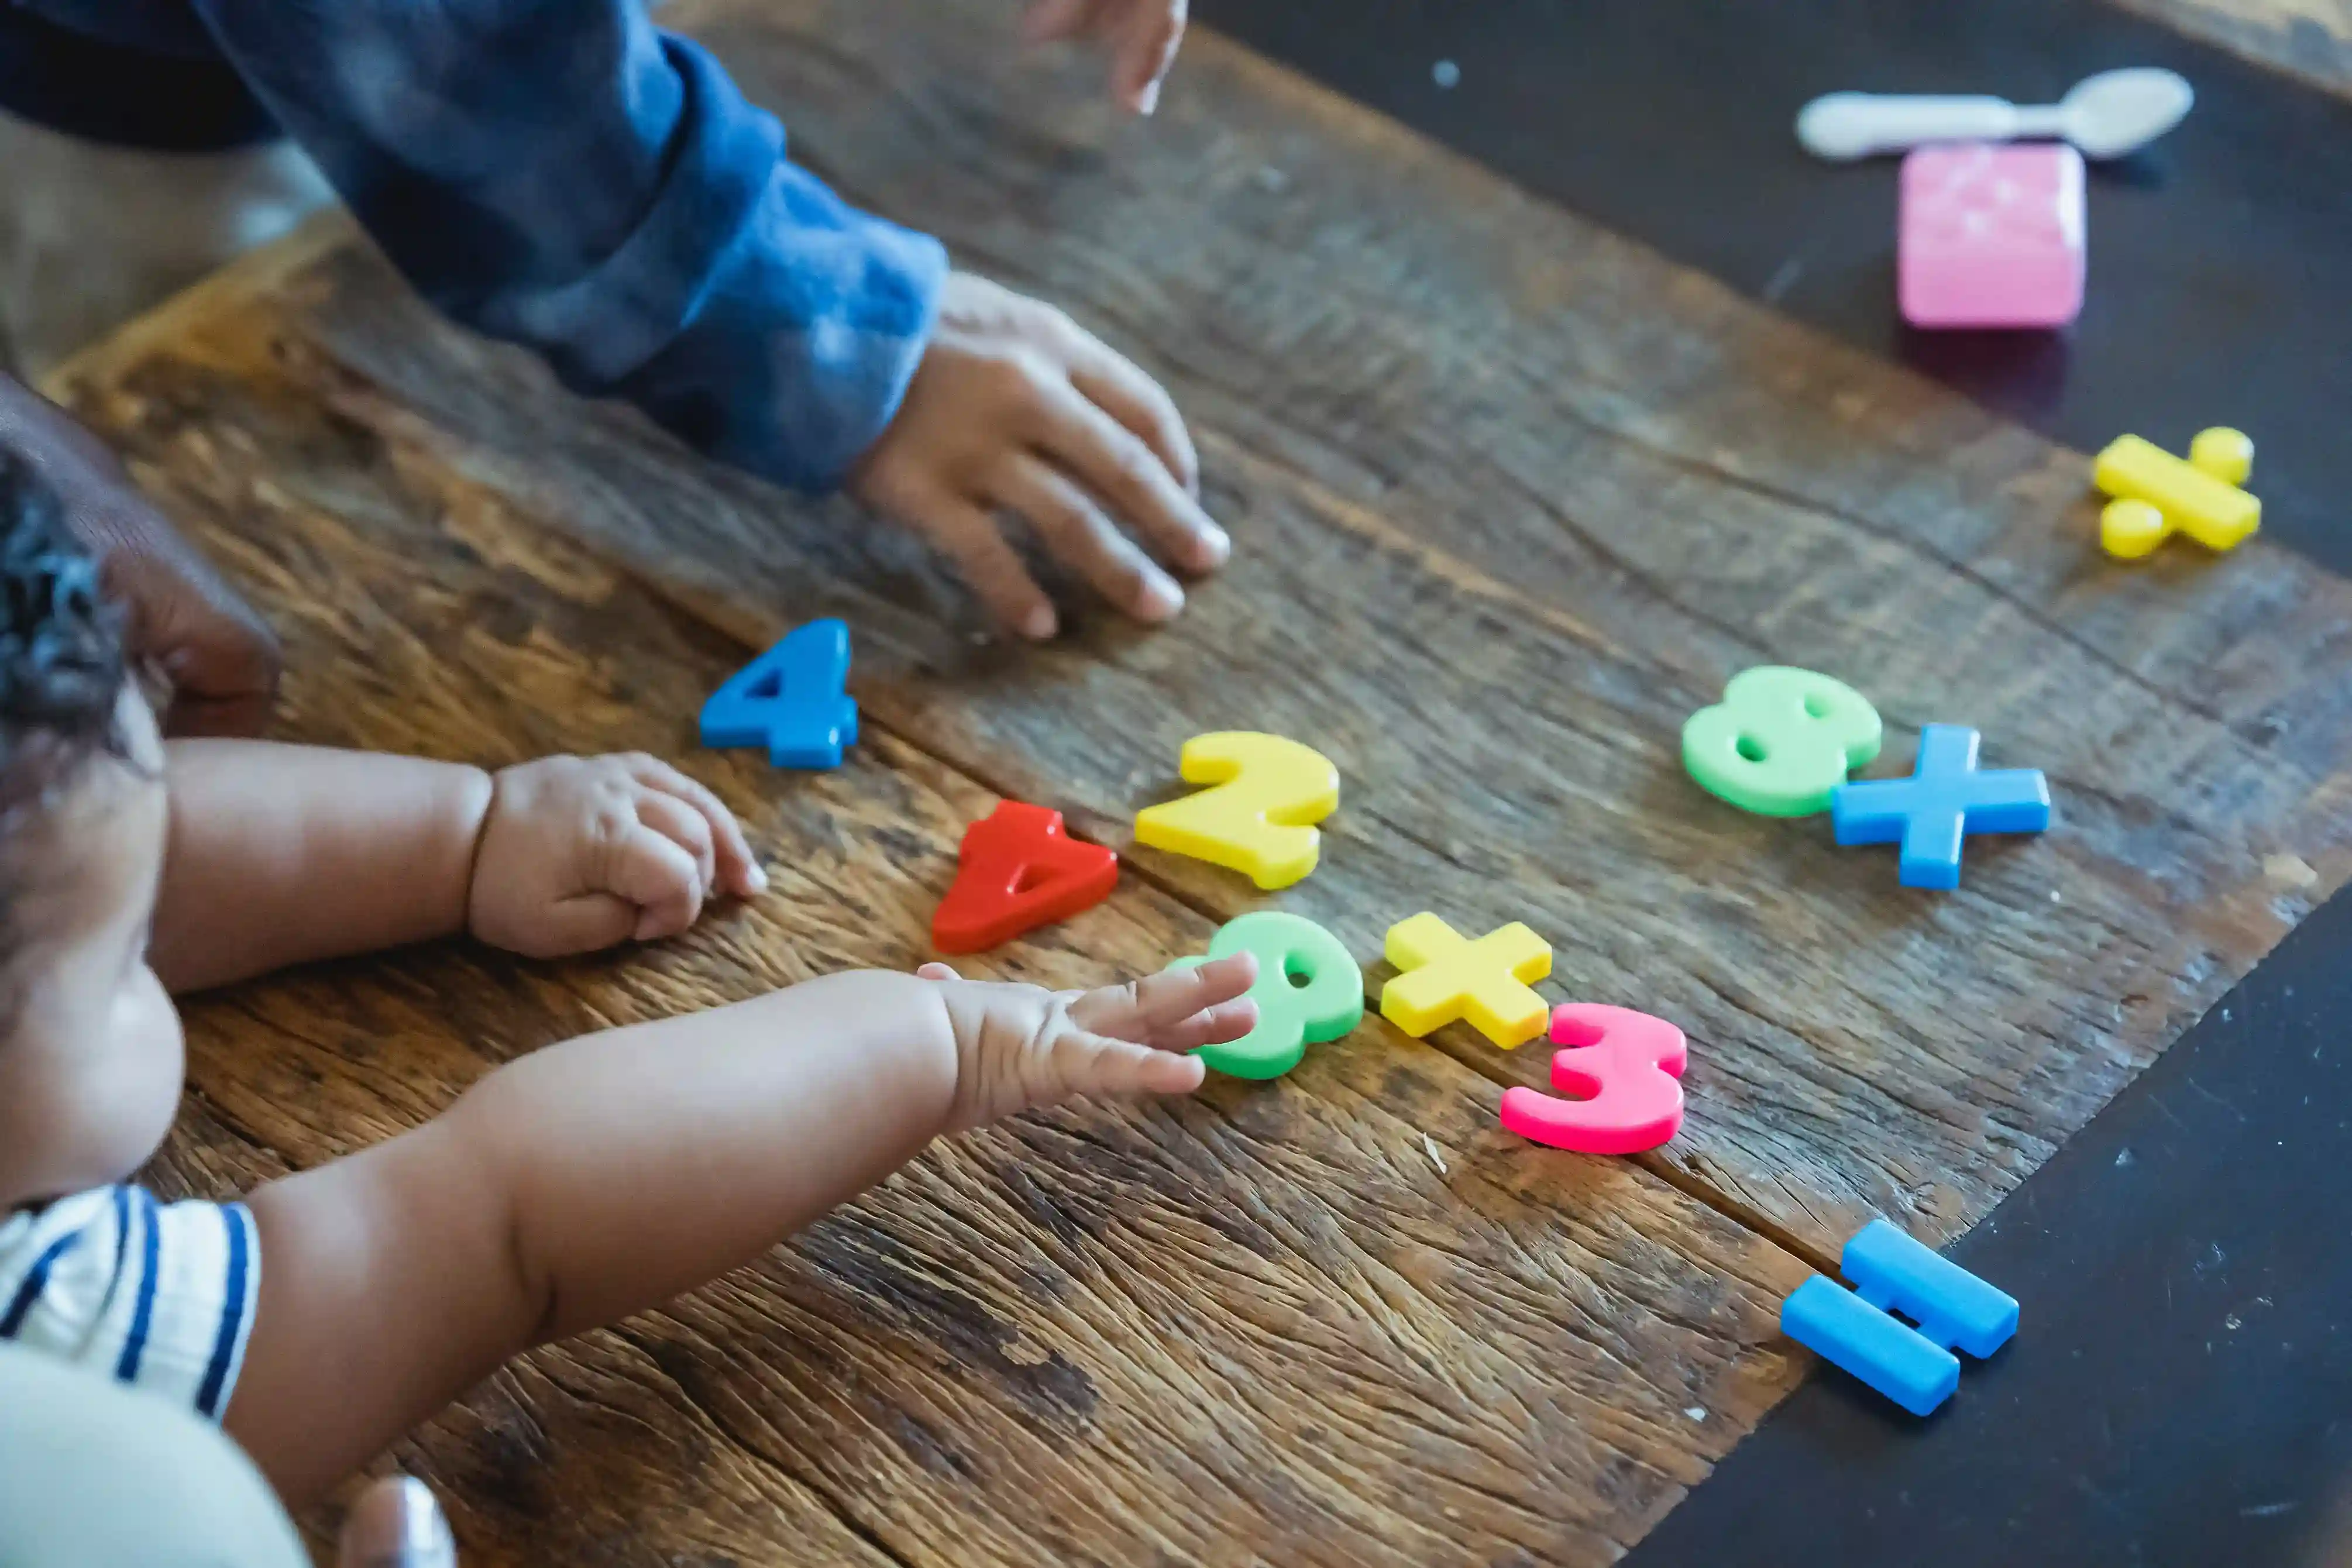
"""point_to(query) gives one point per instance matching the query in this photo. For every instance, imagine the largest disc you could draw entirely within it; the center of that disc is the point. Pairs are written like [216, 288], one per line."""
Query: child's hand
[578, 853]
[1016, 408]
[1019, 1047]
[1141, 36]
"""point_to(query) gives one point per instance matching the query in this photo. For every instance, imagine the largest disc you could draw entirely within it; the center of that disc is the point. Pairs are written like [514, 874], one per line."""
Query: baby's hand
[1141, 36]
[578, 853]
[1016, 408]
[1019, 1047]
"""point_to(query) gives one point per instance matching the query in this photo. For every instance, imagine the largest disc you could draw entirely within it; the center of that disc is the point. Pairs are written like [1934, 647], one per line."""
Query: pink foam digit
[1991, 237]
[1624, 1064]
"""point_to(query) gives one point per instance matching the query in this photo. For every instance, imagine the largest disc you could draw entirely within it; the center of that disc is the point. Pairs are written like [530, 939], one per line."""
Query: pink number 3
[1624, 1064]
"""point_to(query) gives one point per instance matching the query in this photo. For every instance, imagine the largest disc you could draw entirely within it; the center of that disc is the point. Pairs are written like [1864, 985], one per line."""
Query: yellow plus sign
[2157, 493]
[1445, 975]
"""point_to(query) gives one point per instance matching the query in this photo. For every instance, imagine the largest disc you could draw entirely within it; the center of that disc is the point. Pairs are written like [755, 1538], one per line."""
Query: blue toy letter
[790, 699]
[1857, 1331]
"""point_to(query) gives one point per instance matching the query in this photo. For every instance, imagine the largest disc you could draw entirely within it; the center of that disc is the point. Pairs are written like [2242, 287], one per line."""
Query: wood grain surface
[1513, 497]
[1342, 1318]
[2311, 38]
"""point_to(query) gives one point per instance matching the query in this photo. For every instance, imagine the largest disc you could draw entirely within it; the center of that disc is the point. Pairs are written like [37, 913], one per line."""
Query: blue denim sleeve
[561, 173]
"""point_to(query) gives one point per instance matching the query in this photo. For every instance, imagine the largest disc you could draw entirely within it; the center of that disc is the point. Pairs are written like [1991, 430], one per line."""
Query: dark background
[2220, 257]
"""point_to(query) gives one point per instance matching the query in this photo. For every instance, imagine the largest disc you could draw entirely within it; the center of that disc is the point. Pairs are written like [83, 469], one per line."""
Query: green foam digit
[1780, 740]
[1309, 991]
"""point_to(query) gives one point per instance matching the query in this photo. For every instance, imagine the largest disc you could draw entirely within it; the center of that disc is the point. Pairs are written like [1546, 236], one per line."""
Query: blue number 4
[790, 699]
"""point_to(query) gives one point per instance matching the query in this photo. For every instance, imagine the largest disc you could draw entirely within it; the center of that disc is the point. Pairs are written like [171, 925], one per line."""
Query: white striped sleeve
[158, 1297]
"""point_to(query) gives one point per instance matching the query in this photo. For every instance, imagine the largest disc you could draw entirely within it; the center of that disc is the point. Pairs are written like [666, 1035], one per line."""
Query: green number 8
[1309, 990]
[1780, 740]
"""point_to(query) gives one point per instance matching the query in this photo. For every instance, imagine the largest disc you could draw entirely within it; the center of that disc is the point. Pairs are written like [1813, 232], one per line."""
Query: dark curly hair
[62, 660]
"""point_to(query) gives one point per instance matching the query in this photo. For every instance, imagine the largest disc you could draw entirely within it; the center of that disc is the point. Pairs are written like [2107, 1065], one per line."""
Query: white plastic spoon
[2106, 115]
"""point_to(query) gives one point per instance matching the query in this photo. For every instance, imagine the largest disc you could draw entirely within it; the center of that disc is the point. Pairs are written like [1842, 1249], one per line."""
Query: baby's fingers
[716, 838]
[1210, 1027]
[1140, 1010]
[585, 922]
[1140, 59]
[659, 877]
[1128, 476]
[683, 826]
[396, 1523]
[1050, 19]
[970, 537]
[1093, 1064]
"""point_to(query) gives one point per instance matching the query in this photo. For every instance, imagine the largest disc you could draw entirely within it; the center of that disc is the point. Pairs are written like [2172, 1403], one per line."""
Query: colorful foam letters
[1017, 871]
[1445, 976]
[1892, 1273]
[2157, 493]
[1624, 1064]
[1258, 819]
[1780, 740]
[1944, 799]
[789, 700]
[1309, 991]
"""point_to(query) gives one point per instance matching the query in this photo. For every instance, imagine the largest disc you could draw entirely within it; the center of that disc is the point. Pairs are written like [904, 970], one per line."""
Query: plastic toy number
[1309, 990]
[1625, 1063]
[1780, 740]
[1017, 870]
[789, 700]
[1259, 817]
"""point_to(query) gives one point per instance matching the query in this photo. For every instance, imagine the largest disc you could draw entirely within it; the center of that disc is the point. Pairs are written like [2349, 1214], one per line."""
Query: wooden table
[1513, 495]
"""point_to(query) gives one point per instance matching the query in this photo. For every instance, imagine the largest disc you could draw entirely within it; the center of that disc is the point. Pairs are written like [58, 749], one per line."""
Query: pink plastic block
[1992, 235]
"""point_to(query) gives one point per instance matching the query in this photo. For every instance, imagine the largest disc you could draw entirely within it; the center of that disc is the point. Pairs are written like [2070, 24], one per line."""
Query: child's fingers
[1210, 1027]
[1117, 465]
[1154, 29]
[659, 877]
[970, 537]
[1105, 1066]
[396, 1523]
[1134, 1011]
[1050, 19]
[683, 826]
[582, 923]
[1125, 392]
[737, 870]
[936, 970]
[1090, 543]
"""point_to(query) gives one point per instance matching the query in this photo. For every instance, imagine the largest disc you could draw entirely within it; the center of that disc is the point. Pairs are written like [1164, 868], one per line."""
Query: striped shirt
[158, 1296]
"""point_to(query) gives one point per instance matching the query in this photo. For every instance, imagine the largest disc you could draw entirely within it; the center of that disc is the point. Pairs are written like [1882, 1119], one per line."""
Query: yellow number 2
[1259, 817]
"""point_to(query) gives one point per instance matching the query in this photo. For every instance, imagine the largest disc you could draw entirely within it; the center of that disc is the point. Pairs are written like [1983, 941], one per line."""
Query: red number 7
[1623, 1063]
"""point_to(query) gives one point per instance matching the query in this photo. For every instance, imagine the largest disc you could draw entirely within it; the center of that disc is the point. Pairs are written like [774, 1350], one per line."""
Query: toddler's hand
[578, 853]
[1016, 408]
[1019, 1047]
[1141, 36]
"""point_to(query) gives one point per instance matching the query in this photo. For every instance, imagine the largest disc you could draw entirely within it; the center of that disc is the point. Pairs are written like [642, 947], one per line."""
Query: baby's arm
[283, 854]
[280, 853]
[606, 1175]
